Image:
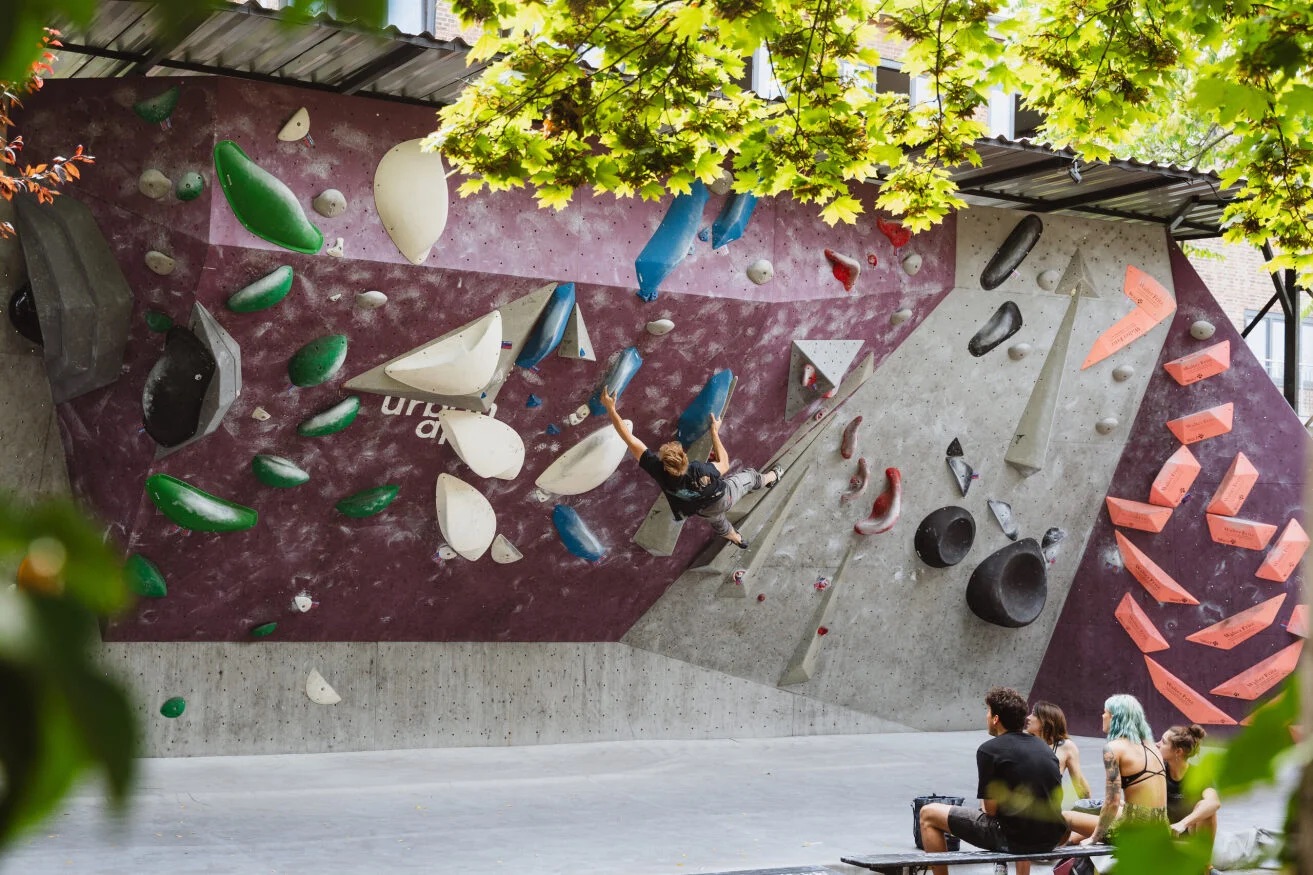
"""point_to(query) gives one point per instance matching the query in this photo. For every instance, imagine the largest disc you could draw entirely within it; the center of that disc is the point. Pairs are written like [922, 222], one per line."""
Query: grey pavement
[611, 808]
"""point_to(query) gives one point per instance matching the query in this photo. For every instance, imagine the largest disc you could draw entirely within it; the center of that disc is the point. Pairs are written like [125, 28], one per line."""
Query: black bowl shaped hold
[1009, 588]
[22, 314]
[945, 536]
[1012, 252]
[175, 388]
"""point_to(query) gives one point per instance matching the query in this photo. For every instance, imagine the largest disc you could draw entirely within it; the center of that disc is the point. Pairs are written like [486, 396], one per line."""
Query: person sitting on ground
[1047, 721]
[1187, 812]
[1132, 768]
[695, 488]
[1019, 786]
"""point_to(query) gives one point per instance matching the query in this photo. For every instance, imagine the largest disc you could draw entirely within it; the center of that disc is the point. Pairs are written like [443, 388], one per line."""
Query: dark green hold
[158, 109]
[318, 360]
[195, 509]
[144, 577]
[368, 502]
[174, 707]
[332, 420]
[278, 472]
[158, 322]
[264, 630]
[263, 293]
[190, 186]
[262, 202]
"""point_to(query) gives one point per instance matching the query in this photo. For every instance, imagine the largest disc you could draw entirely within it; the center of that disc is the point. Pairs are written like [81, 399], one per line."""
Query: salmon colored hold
[1138, 625]
[1189, 702]
[1285, 553]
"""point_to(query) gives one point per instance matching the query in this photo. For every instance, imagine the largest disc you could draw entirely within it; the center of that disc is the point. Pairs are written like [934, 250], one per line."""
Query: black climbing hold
[1003, 513]
[954, 449]
[1049, 546]
[945, 536]
[1013, 251]
[1005, 322]
[1009, 588]
[22, 314]
[175, 388]
[962, 473]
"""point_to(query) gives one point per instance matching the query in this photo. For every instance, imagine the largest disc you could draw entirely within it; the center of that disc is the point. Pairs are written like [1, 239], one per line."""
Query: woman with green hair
[1136, 779]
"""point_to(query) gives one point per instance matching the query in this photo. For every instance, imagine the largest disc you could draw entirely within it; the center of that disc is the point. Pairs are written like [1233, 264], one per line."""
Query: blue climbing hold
[552, 429]
[550, 328]
[704, 235]
[695, 420]
[534, 401]
[617, 379]
[733, 219]
[670, 242]
[575, 534]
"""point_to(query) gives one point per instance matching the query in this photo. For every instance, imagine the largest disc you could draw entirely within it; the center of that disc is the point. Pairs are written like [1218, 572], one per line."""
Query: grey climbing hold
[898, 317]
[259, 414]
[337, 250]
[1049, 546]
[160, 263]
[370, 300]
[954, 448]
[911, 264]
[303, 603]
[1122, 373]
[295, 127]
[1048, 279]
[1003, 513]
[1202, 329]
[962, 473]
[1018, 351]
[658, 327]
[446, 553]
[721, 184]
[761, 271]
[154, 184]
[1005, 322]
[1106, 425]
[330, 203]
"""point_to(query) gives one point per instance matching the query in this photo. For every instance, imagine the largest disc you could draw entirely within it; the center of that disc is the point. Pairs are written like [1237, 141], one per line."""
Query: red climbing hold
[887, 508]
[761, 596]
[897, 234]
[822, 630]
[845, 269]
[857, 485]
[872, 260]
[849, 443]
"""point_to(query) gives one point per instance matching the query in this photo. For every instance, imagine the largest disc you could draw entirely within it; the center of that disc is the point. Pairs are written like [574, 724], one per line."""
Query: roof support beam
[1094, 196]
[1035, 205]
[170, 41]
[1020, 172]
[379, 67]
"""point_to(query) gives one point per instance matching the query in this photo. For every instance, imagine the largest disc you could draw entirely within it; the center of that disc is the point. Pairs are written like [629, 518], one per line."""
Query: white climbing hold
[259, 414]
[1048, 279]
[370, 300]
[898, 317]
[296, 127]
[761, 271]
[658, 327]
[336, 297]
[1202, 329]
[1122, 373]
[318, 690]
[329, 203]
[722, 184]
[160, 263]
[336, 249]
[446, 553]
[504, 552]
[1019, 351]
[911, 264]
[1106, 425]
[303, 603]
[154, 184]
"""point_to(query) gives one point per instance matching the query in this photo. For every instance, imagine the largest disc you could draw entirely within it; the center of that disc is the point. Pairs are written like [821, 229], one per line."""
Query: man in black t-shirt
[694, 488]
[1020, 790]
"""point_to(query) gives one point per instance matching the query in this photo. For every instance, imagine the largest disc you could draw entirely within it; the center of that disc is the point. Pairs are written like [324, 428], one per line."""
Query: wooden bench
[911, 862]
[787, 870]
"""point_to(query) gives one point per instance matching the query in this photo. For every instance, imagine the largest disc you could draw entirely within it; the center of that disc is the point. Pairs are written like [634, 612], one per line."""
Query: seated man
[1020, 790]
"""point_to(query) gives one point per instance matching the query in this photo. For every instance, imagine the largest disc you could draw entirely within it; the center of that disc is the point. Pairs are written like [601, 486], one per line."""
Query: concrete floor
[614, 808]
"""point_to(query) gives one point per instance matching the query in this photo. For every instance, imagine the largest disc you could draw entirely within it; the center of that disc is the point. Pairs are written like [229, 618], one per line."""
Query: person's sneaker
[778, 471]
[1000, 869]
[742, 543]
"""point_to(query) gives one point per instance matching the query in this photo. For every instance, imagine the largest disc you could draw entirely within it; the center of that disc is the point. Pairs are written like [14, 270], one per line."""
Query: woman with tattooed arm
[1136, 779]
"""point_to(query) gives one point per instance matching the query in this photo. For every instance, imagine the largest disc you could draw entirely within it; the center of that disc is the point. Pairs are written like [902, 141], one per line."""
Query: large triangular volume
[1030, 442]
[802, 665]
[815, 368]
[517, 321]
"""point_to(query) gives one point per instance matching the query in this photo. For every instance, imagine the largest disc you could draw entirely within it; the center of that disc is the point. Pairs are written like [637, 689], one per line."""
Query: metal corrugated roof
[127, 37]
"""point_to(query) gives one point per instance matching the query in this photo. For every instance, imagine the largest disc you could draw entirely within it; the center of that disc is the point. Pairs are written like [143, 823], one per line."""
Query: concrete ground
[613, 808]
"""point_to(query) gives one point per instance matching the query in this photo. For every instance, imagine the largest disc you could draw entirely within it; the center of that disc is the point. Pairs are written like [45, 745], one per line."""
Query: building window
[1268, 342]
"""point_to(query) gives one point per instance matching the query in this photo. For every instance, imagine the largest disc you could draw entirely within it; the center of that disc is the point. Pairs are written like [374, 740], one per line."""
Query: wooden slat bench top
[907, 863]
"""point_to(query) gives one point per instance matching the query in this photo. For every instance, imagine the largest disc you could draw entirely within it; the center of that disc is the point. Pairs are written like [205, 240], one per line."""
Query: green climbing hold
[144, 577]
[318, 360]
[194, 509]
[368, 502]
[158, 322]
[158, 109]
[277, 471]
[263, 293]
[190, 186]
[264, 630]
[174, 707]
[332, 420]
[262, 202]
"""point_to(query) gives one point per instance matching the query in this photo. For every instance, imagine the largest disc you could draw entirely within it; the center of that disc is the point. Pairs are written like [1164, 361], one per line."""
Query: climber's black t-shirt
[695, 489]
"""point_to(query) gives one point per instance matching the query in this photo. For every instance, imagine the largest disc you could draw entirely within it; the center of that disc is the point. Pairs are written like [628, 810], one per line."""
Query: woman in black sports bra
[1187, 811]
[1136, 779]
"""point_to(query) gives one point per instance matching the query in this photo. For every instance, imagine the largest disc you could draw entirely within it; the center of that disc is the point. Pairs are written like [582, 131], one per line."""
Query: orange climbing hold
[1298, 622]
[1285, 553]
[1249, 534]
[1138, 625]
[1254, 682]
[1137, 514]
[1236, 485]
[1189, 702]
[1240, 627]
[1175, 479]
[1204, 424]
[1200, 365]
[1153, 304]
[1158, 582]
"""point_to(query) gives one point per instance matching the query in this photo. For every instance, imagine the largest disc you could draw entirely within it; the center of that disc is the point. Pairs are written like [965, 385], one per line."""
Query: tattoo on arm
[1112, 792]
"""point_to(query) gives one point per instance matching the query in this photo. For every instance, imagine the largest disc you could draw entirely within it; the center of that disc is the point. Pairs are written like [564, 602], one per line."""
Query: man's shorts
[976, 827]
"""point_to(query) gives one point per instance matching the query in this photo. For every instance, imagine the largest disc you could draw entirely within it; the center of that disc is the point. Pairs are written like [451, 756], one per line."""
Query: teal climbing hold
[144, 577]
[262, 202]
[671, 241]
[696, 419]
[158, 322]
[332, 420]
[158, 109]
[318, 360]
[195, 509]
[368, 502]
[263, 293]
[174, 707]
[278, 472]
